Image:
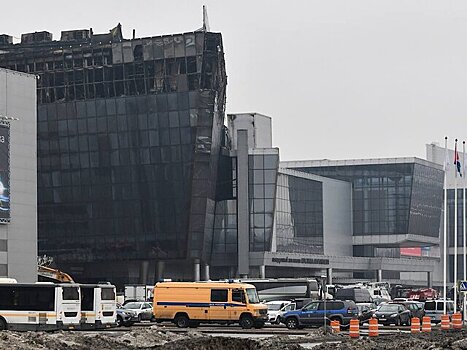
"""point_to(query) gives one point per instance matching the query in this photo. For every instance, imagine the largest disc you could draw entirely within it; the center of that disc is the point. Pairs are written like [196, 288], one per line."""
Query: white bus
[285, 288]
[98, 306]
[39, 306]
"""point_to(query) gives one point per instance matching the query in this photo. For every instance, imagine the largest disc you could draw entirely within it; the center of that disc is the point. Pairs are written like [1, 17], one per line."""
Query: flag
[457, 162]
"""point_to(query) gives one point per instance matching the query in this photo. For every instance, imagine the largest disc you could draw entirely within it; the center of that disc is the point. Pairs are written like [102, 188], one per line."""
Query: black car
[314, 313]
[397, 314]
[416, 308]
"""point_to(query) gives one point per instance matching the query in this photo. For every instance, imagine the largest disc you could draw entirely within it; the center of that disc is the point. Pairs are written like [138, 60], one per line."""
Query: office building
[18, 176]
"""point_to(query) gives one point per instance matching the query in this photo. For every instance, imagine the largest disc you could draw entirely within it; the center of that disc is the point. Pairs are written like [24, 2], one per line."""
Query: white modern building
[18, 176]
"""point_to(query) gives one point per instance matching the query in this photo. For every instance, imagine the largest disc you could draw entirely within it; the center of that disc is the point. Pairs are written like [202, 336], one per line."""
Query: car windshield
[252, 295]
[274, 307]
[132, 306]
[388, 308]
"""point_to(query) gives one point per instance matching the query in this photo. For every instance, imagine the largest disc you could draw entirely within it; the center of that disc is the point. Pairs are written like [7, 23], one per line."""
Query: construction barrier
[445, 322]
[457, 321]
[415, 326]
[336, 326]
[354, 330]
[373, 327]
[426, 324]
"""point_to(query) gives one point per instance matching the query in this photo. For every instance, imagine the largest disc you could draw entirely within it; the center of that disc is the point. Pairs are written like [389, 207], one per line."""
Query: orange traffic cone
[415, 326]
[336, 326]
[426, 325]
[373, 327]
[354, 330]
[457, 321]
[445, 323]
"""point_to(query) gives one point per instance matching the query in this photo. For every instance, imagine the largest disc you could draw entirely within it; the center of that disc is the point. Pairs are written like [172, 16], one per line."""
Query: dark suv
[313, 314]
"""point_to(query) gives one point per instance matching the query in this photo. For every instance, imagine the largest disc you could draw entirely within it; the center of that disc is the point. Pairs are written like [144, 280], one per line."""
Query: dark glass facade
[299, 215]
[262, 179]
[395, 198]
[129, 135]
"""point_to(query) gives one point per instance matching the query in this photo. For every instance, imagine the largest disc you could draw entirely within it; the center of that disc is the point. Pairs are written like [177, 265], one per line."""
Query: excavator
[49, 274]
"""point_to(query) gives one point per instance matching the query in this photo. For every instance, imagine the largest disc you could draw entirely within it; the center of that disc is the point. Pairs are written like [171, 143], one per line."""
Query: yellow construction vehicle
[49, 274]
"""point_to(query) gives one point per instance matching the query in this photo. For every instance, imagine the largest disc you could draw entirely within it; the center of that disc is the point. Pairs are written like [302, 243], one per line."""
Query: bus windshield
[252, 295]
[70, 293]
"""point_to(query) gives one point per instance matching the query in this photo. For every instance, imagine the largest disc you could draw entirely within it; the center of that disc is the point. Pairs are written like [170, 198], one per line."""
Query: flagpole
[445, 236]
[464, 235]
[455, 228]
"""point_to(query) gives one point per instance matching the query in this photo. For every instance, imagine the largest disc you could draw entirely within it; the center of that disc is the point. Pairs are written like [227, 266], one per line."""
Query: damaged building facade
[141, 176]
[129, 136]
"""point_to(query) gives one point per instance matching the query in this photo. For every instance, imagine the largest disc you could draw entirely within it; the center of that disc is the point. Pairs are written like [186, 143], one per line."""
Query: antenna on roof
[205, 19]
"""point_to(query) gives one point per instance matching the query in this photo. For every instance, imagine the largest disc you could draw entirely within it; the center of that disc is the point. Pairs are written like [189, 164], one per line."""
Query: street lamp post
[323, 280]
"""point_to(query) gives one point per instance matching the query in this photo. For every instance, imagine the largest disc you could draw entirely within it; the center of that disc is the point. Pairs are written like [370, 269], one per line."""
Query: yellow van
[190, 303]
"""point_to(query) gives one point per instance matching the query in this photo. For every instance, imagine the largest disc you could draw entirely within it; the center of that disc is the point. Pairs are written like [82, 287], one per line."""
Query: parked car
[397, 314]
[126, 317]
[435, 308]
[416, 310]
[277, 308]
[365, 311]
[142, 309]
[313, 313]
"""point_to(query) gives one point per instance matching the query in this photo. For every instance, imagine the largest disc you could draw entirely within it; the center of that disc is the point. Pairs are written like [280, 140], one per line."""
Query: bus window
[107, 294]
[70, 293]
[238, 295]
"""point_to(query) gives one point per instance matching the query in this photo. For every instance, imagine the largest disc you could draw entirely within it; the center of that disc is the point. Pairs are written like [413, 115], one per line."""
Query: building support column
[379, 275]
[160, 270]
[262, 271]
[207, 276]
[196, 270]
[429, 278]
[329, 275]
[243, 209]
[143, 276]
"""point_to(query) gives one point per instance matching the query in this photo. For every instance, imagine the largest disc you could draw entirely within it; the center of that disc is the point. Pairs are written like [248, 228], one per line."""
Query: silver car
[143, 310]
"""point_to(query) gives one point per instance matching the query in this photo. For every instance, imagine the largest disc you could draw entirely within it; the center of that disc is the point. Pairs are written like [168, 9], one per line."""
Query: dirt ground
[435, 340]
[154, 338]
[147, 338]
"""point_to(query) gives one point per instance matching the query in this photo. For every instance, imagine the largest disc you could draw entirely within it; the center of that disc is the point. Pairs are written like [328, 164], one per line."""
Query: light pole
[323, 280]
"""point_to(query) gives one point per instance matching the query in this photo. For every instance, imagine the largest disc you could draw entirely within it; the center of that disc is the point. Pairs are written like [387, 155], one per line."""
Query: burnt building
[129, 140]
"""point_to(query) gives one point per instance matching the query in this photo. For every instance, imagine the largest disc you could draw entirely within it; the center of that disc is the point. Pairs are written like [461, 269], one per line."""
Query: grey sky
[341, 78]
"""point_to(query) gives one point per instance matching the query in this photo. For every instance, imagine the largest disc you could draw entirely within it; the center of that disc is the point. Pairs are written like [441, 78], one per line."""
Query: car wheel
[181, 321]
[409, 322]
[140, 317]
[259, 324]
[153, 318]
[193, 324]
[291, 323]
[246, 322]
[398, 322]
[119, 321]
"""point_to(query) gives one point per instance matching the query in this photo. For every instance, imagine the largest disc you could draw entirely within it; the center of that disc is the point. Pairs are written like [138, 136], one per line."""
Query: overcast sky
[340, 78]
